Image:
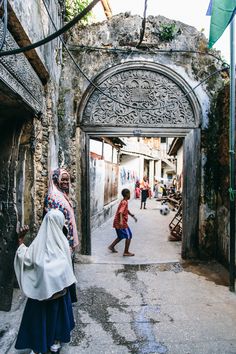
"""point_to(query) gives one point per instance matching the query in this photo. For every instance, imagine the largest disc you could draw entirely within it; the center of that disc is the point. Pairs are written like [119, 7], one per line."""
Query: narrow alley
[104, 99]
[150, 238]
[153, 302]
[150, 303]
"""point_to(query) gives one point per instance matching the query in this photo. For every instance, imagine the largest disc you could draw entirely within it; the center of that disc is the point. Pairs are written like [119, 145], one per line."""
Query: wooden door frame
[190, 233]
[191, 193]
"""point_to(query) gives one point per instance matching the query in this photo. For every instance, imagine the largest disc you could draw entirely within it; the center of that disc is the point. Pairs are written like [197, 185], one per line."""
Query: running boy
[120, 223]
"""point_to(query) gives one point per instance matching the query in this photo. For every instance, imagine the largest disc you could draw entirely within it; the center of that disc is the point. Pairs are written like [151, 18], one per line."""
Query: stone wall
[122, 33]
[29, 23]
[29, 128]
[8, 215]
[214, 235]
[45, 136]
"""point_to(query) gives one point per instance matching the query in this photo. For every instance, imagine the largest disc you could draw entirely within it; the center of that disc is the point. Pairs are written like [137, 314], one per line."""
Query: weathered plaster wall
[214, 235]
[100, 213]
[29, 128]
[29, 23]
[97, 184]
[128, 173]
[8, 216]
[179, 161]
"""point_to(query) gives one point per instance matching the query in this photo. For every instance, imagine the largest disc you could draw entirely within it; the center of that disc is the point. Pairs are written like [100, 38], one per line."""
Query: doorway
[157, 102]
[190, 189]
[121, 163]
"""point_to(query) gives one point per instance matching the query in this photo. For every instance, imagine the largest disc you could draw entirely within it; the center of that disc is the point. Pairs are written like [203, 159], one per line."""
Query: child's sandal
[128, 254]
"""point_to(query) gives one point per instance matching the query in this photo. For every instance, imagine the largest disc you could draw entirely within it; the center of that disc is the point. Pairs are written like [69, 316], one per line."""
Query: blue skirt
[44, 322]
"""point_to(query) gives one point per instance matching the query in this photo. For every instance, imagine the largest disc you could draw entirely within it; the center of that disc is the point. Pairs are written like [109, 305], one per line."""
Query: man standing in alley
[144, 187]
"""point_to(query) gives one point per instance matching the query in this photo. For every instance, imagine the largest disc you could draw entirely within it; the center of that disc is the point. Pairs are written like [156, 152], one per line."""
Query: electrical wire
[4, 18]
[150, 51]
[53, 35]
[142, 31]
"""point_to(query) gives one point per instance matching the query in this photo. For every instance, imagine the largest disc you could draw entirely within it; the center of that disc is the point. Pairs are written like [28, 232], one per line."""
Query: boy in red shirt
[120, 223]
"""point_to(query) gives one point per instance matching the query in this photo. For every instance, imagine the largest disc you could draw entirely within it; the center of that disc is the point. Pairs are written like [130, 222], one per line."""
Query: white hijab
[45, 267]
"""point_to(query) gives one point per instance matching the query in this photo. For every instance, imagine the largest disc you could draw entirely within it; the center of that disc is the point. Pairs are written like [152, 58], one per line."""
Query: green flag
[221, 16]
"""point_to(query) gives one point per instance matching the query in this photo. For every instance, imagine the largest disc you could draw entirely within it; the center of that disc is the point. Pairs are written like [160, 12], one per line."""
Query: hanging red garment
[137, 192]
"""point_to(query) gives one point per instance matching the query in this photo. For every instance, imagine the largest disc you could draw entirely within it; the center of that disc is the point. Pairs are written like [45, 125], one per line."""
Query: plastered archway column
[151, 174]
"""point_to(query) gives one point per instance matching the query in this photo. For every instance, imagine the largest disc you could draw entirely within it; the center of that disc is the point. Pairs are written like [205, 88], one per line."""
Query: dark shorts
[144, 195]
[124, 233]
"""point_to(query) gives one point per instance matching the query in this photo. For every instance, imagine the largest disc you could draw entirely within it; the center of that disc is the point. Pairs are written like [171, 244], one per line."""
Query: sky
[191, 12]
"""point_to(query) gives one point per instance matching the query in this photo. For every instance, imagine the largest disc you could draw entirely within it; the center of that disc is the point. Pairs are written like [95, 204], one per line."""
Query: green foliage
[74, 7]
[168, 32]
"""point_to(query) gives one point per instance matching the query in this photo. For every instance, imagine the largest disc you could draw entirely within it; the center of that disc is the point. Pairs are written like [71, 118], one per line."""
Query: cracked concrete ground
[130, 305]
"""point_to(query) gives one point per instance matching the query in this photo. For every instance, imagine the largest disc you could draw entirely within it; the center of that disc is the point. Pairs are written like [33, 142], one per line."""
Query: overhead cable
[53, 35]
[142, 31]
[130, 50]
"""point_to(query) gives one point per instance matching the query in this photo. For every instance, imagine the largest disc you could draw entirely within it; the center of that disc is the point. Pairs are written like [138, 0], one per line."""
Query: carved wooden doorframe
[158, 102]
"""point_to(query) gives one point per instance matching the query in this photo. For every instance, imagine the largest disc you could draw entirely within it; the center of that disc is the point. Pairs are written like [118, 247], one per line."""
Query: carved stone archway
[157, 101]
[154, 96]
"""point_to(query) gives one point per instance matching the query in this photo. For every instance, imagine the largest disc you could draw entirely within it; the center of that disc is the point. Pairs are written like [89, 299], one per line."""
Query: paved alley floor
[150, 238]
[152, 303]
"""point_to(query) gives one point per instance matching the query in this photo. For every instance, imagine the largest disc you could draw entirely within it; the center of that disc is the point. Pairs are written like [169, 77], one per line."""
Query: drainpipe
[232, 159]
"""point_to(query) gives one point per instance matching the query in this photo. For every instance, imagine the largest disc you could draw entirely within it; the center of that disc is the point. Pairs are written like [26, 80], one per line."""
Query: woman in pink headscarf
[58, 198]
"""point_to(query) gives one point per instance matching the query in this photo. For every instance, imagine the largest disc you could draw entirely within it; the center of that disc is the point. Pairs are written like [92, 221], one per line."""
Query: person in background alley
[164, 191]
[144, 187]
[58, 198]
[44, 273]
[137, 189]
[174, 184]
[121, 224]
[155, 189]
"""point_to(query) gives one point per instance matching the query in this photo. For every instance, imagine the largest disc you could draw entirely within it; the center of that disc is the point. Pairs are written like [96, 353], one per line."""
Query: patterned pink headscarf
[59, 199]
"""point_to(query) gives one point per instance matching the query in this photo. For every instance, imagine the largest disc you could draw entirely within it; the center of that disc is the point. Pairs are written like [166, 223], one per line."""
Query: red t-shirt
[123, 209]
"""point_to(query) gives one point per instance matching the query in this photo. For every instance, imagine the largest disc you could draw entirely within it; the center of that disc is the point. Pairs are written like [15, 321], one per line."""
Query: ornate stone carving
[160, 100]
[17, 73]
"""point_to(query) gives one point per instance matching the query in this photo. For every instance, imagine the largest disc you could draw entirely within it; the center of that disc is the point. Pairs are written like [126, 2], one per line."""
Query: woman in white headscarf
[58, 197]
[44, 273]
